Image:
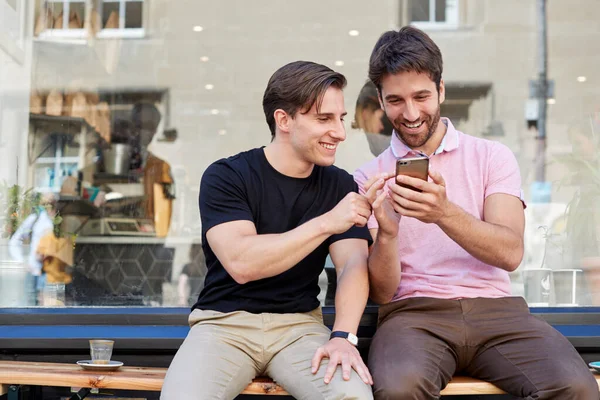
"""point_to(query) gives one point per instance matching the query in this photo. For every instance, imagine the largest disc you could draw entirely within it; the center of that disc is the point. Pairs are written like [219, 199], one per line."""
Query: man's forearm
[351, 296]
[384, 269]
[490, 243]
[262, 256]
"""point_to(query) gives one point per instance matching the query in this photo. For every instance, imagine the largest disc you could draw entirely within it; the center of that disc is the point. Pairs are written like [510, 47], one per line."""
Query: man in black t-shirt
[270, 216]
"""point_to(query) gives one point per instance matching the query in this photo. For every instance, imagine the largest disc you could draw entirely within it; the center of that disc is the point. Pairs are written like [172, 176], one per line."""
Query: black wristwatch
[351, 337]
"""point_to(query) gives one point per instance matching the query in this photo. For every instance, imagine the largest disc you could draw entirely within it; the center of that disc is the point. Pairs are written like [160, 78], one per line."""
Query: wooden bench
[151, 379]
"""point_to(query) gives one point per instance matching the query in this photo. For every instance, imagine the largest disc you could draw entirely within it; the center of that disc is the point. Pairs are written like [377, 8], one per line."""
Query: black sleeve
[355, 232]
[223, 196]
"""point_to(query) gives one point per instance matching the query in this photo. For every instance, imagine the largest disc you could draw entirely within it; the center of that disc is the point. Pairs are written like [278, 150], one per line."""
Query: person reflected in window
[270, 216]
[191, 278]
[38, 224]
[159, 191]
[441, 270]
[370, 118]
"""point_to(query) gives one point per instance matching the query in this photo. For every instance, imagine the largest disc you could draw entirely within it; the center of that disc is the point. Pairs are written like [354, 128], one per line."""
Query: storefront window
[111, 110]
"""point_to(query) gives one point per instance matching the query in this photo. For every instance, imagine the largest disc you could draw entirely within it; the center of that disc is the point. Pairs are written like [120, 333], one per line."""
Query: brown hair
[407, 50]
[296, 87]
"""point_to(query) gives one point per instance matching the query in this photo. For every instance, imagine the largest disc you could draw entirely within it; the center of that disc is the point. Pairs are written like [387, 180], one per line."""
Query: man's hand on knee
[340, 351]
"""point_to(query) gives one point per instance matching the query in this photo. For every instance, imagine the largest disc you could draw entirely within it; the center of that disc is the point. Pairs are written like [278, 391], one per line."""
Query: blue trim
[91, 331]
[578, 330]
[173, 332]
[96, 310]
[563, 310]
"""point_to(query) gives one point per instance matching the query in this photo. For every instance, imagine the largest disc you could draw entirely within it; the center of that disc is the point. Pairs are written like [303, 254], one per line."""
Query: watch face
[353, 339]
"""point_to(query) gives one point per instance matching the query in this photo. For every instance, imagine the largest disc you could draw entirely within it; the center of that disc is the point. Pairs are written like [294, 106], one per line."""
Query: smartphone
[416, 167]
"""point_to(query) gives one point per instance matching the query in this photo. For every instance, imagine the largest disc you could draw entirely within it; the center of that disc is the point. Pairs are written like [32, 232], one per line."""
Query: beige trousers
[223, 352]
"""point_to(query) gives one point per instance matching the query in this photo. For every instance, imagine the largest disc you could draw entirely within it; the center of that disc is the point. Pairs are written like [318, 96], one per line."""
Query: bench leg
[14, 392]
[82, 394]
[3, 389]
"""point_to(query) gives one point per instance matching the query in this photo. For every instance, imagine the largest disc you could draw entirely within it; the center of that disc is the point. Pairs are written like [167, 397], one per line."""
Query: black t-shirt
[247, 187]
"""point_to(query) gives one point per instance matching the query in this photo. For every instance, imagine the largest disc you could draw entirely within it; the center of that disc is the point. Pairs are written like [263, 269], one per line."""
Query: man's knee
[570, 385]
[407, 385]
[354, 389]
[581, 387]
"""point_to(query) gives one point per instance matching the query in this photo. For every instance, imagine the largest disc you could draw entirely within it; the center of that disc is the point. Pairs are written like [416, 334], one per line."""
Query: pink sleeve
[503, 173]
[360, 177]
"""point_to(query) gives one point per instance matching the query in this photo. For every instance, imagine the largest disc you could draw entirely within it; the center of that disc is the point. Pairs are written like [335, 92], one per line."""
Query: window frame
[66, 34]
[121, 31]
[452, 17]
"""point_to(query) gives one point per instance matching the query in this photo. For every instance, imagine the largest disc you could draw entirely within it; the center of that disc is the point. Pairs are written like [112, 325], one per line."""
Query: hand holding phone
[416, 167]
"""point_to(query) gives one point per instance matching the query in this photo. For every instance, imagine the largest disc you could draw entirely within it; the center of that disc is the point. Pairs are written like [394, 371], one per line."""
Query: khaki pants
[223, 352]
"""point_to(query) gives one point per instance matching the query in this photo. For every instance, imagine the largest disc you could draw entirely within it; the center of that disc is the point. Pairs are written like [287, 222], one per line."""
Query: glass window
[431, 14]
[103, 141]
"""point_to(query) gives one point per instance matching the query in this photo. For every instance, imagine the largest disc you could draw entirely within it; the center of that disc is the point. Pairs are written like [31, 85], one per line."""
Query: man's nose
[411, 113]
[339, 131]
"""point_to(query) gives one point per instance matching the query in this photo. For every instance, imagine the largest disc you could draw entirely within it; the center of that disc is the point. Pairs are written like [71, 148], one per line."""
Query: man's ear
[442, 92]
[282, 120]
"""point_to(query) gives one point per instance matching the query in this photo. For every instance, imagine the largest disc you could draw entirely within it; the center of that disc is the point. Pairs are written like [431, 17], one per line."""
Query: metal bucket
[117, 158]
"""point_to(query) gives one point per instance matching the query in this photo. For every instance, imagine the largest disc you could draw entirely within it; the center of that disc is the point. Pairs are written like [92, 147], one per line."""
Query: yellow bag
[54, 103]
[58, 21]
[103, 120]
[95, 23]
[45, 20]
[36, 103]
[75, 20]
[75, 105]
[162, 211]
[113, 21]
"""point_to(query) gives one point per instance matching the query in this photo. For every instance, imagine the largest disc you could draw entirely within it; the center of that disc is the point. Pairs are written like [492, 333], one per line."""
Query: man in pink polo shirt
[441, 256]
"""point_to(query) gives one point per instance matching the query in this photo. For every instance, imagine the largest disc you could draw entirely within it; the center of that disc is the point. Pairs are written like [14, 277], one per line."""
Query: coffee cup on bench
[101, 351]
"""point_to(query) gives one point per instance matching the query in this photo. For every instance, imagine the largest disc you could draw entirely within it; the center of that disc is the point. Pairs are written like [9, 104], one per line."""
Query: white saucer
[111, 366]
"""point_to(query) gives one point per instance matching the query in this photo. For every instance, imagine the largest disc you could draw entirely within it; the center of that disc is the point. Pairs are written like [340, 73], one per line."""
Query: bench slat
[67, 375]
[466, 385]
[151, 379]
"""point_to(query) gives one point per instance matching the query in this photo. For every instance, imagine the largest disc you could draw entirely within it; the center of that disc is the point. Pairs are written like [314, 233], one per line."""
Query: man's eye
[323, 119]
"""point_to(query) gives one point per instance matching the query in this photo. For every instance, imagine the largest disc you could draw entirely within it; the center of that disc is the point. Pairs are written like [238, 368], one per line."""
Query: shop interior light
[551, 101]
[222, 132]
[353, 32]
[198, 28]
[204, 58]
[214, 111]
[209, 86]
[339, 63]
[581, 79]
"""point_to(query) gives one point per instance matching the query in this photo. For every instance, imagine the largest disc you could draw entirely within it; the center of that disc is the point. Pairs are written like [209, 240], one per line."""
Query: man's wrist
[349, 336]
[451, 212]
[324, 224]
[385, 238]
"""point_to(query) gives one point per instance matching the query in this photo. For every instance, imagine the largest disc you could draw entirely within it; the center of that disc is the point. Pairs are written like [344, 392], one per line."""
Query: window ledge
[81, 36]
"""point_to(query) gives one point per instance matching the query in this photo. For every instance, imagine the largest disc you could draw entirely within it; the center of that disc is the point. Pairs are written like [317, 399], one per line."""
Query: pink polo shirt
[433, 265]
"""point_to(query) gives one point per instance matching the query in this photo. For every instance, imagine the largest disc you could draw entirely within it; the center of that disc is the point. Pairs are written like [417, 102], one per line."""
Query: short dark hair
[296, 87]
[407, 50]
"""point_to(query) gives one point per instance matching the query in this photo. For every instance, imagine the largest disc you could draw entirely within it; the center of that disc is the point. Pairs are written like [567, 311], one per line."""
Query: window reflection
[119, 107]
